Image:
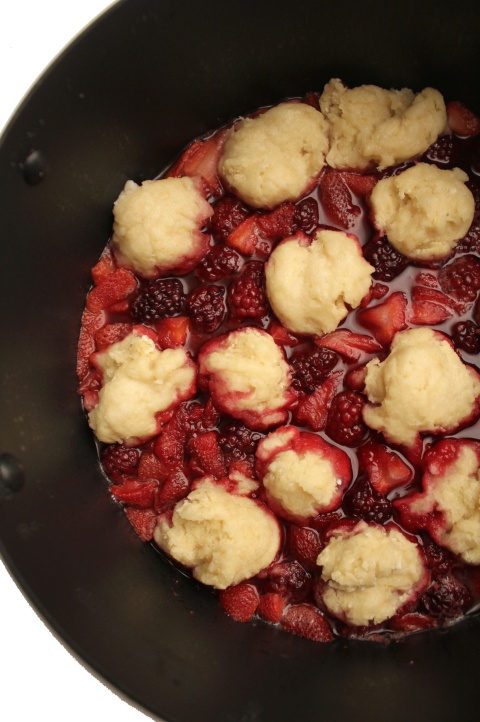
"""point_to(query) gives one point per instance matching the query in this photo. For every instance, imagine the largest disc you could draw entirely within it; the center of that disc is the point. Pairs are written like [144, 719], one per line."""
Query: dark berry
[228, 213]
[475, 190]
[311, 367]
[388, 262]
[461, 278]
[439, 560]
[362, 502]
[206, 308]
[306, 214]
[470, 243]
[288, 577]
[158, 299]
[118, 459]
[220, 262]
[394, 170]
[466, 336]
[441, 151]
[446, 597]
[247, 297]
[344, 423]
[238, 441]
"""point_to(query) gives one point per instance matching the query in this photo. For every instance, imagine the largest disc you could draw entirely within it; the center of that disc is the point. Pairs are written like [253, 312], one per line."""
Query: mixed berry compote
[384, 488]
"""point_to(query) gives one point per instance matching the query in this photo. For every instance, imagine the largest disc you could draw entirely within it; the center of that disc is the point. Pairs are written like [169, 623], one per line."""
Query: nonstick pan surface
[131, 92]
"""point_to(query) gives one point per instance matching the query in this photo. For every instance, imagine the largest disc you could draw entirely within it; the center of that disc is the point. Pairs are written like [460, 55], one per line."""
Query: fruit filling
[278, 358]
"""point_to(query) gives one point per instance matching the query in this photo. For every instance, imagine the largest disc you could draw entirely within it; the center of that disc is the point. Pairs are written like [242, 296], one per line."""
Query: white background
[40, 680]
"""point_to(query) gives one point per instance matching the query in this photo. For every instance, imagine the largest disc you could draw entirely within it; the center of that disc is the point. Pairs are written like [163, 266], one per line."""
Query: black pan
[119, 103]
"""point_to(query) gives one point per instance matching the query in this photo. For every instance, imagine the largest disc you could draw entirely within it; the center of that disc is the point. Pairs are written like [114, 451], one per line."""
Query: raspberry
[311, 367]
[461, 278]
[446, 597]
[118, 459]
[466, 336]
[388, 262]
[363, 502]
[246, 296]
[344, 424]
[206, 308]
[220, 262]
[238, 441]
[306, 215]
[158, 299]
[228, 213]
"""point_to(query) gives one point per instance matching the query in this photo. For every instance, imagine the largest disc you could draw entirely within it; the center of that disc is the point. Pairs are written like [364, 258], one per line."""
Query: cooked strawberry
[104, 267]
[355, 379]
[313, 409]
[279, 223]
[305, 545]
[385, 319]
[307, 621]
[150, 467]
[133, 492]
[91, 323]
[201, 159]
[348, 344]
[244, 237]
[169, 446]
[386, 470]
[173, 332]
[114, 288]
[281, 336]
[143, 521]
[271, 606]
[462, 120]
[175, 487]
[362, 185]
[206, 456]
[111, 333]
[336, 200]
[239, 602]
[411, 622]
[429, 306]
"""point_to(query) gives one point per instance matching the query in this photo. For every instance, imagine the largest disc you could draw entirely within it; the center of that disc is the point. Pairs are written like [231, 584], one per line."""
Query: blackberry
[306, 214]
[158, 299]
[311, 367]
[466, 336]
[362, 502]
[345, 424]
[441, 151]
[219, 263]
[446, 597]
[206, 308]
[470, 243]
[247, 297]
[228, 213]
[388, 262]
[461, 278]
[238, 441]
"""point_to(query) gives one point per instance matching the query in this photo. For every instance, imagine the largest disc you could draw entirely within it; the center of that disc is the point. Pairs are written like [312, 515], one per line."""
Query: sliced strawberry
[173, 332]
[336, 200]
[174, 489]
[111, 333]
[150, 467]
[430, 306]
[412, 622]
[279, 223]
[104, 267]
[313, 409]
[239, 602]
[271, 606]
[348, 344]
[386, 470]
[135, 493]
[91, 323]
[306, 545]
[355, 379]
[169, 446]
[362, 185]
[307, 621]
[206, 455]
[114, 288]
[201, 159]
[462, 120]
[385, 319]
[245, 236]
[281, 336]
[143, 521]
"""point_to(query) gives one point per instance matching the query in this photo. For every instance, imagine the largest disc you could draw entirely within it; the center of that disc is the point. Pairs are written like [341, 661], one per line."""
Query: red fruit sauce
[222, 294]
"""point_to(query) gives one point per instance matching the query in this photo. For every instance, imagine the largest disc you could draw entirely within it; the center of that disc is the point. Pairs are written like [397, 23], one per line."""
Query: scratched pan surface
[119, 103]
